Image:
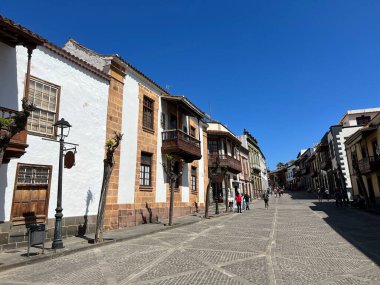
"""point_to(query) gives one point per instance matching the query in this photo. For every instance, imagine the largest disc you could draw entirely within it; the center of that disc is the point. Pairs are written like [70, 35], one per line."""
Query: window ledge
[151, 131]
[146, 188]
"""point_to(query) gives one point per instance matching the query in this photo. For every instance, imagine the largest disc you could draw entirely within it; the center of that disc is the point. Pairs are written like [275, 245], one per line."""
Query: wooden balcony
[369, 164]
[177, 142]
[326, 164]
[233, 165]
[17, 145]
[305, 170]
[314, 172]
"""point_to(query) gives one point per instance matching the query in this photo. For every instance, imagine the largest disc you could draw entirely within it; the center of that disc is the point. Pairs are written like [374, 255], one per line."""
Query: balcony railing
[17, 144]
[369, 164]
[179, 143]
[232, 164]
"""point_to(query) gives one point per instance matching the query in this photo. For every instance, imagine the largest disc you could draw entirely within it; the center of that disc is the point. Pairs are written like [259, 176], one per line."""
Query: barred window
[148, 105]
[44, 96]
[32, 175]
[193, 179]
[145, 169]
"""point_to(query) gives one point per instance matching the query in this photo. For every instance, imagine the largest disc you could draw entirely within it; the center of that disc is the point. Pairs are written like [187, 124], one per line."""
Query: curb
[45, 257]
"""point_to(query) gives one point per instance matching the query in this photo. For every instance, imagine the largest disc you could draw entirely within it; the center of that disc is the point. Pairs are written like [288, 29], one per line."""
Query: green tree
[280, 165]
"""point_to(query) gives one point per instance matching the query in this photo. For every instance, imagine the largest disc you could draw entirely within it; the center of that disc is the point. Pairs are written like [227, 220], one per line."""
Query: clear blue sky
[285, 70]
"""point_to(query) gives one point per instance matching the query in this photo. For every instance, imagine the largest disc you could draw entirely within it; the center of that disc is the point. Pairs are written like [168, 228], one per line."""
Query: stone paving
[296, 241]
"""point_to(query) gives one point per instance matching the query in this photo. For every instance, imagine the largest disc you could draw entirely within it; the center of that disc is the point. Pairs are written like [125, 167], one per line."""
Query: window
[148, 113]
[363, 120]
[145, 169]
[213, 146]
[163, 121]
[176, 170]
[375, 149]
[45, 97]
[332, 154]
[31, 195]
[193, 179]
[173, 122]
[192, 132]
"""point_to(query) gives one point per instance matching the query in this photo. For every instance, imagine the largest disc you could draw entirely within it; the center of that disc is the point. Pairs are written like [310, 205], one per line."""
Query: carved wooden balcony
[17, 144]
[369, 164]
[305, 170]
[326, 164]
[313, 172]
[179, 143]
[233, 165]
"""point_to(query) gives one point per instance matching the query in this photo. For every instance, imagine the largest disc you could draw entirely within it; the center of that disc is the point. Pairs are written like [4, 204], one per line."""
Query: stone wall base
[13, 237]
[134, 217]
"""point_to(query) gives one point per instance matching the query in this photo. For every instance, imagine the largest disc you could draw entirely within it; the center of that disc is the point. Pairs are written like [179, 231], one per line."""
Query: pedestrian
[338, 198]
[320, 194]
[238, 199]
[266, 200]
[246, 199]
[231, 203]
[327, 193]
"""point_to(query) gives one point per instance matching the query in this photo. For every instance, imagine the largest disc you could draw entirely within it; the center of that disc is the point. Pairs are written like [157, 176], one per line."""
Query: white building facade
[60, 86]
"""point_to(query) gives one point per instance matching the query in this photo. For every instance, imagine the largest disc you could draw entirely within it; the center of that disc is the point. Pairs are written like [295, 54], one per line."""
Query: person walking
[266, 200]
[246, 199]
[320, 194]
[238, 199]
[327, 193]
[338, 198]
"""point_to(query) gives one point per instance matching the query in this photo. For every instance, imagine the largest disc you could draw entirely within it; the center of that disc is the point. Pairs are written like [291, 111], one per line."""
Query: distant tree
[280, 165]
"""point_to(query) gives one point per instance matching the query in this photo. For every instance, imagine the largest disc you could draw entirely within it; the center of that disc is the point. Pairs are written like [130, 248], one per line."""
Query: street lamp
[60, 125]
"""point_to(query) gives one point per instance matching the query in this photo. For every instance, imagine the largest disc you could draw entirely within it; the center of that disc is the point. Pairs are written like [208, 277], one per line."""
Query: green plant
[5, 122]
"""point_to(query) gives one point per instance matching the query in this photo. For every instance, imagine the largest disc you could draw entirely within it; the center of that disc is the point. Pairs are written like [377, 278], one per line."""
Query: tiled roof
[25, 37]
[16, 34]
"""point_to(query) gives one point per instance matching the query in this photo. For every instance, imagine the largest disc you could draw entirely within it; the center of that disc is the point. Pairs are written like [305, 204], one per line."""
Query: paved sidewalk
[18, 257]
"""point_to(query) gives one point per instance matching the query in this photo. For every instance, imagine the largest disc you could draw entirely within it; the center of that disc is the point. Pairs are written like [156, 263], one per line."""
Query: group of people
[245, 199]
[278, 191]
[341, 198]
[322, 192]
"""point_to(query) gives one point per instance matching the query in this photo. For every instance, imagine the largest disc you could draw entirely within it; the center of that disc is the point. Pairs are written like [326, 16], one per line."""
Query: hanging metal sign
[69, 159]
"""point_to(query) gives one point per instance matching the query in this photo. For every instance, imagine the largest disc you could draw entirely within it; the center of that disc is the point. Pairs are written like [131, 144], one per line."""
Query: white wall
[201, 175]
[160, 174]
[83, 102]
[128, 147]
[345, 133]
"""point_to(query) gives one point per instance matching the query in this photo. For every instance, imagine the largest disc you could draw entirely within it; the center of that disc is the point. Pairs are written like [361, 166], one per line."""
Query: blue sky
[285, 70]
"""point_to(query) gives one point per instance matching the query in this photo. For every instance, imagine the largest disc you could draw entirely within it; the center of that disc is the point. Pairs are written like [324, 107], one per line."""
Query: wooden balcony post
[26, 91]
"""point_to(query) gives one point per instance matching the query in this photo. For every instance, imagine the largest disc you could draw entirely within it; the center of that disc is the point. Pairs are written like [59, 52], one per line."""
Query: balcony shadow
[359, 228]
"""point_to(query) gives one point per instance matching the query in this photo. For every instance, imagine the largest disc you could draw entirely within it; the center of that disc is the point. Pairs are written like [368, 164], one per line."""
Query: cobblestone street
[296, 241]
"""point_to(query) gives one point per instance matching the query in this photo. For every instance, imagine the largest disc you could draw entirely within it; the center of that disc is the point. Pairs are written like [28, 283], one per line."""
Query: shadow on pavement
[359, 228]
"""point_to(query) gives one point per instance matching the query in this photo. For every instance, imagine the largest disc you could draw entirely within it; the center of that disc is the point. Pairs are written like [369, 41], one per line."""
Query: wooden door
[31, 194]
